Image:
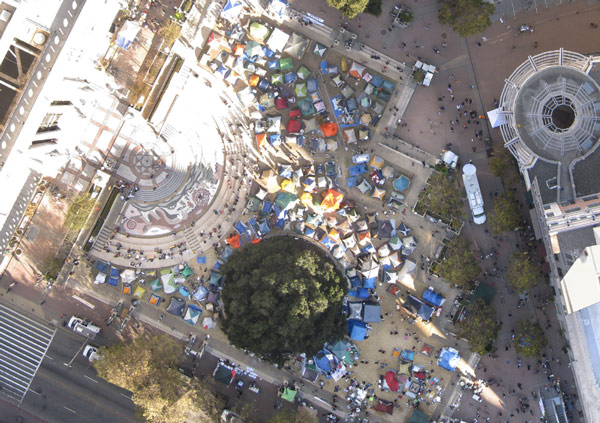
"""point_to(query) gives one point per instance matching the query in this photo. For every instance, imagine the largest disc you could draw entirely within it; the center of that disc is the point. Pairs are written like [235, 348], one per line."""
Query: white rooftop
[581, 284]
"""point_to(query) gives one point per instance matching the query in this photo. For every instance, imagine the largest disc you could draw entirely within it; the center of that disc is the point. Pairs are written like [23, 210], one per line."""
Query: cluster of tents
[424, 308]
[175, 282]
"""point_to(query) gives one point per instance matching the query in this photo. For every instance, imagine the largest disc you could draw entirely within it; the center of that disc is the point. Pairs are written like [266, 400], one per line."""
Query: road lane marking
[123, 395]
[72, 411]
[87, 377]
[49, 357]
[81, 300]
[37, 393]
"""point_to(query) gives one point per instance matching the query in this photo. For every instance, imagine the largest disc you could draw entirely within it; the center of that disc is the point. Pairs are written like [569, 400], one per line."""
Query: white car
[90, 352]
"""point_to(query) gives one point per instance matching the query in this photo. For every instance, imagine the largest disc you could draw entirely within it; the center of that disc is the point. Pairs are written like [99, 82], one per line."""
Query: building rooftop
[547, 175]
[581, 284]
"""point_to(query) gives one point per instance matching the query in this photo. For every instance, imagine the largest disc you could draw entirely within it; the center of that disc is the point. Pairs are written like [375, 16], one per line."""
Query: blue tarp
[274, 64]
[327, 242]
[433, 297]
[240, 227]
[362, 293]
[449, 359]
[358, 169]
[351, 182]
[388, 86]
[102, 266]
[372, 313]
[355, 281]
[112, 281]
[201, 259]
[357, 330]
[323, 362]
[425, 312]
[369, 283]
[269, 53]
[267, 207]
[115, 272]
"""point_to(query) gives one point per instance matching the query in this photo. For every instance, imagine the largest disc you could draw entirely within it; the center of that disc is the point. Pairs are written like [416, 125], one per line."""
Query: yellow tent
[376, 162]
[306, 199]
[378, 193]
[139, 292]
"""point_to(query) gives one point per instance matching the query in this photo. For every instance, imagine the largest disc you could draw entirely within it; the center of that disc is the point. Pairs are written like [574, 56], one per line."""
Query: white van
[83, 327]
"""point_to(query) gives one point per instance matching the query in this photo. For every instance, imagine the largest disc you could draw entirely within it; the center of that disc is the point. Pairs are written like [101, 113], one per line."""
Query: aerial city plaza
[299, 211]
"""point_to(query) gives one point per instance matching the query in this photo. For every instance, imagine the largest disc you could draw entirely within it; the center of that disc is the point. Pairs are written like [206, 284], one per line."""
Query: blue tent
[115, 272]
[241, 227]
[102, 266]
[449, 359]
[285, 171]
[323, 361]
[372, 313]
[201, 259]
[232, 10]
[227, 252]
[355, 281]
[377, 81]
[290, 77]
[351, 182]
[309, 232]
[369, 283]
[275, 140]
[357, 330]
[425, 312]
[274, 64]
[266, 207]
[112, 281]
[327, 242]
[214, 278]
[312, 85]
[358, 169]
[218, 264]
[362, 293]
[192, 314]
[264, 226]
[433, 298]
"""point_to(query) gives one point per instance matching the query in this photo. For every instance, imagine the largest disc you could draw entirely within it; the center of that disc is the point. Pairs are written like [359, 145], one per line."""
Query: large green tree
[296, 416]
[79, 210]
[466, 17]
[503, 165]
[505, 214]
[479, 327]
[148, 368]
[459, 266]
[349, 8]
[522, 273]
[531, 339]
[444, 196]
[282, 296]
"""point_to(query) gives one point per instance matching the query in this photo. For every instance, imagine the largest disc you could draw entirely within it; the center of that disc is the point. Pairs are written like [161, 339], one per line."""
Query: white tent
[278, 40]
[208, 323]
[100, 278]
[496, 117]
[127, 276]
[405, 274]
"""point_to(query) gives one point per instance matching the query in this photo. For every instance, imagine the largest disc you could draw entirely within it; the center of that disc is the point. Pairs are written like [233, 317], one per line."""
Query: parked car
[90, 352]
[83, 327]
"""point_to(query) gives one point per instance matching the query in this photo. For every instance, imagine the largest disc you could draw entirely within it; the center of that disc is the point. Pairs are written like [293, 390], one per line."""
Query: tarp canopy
[385, 406]
[296, 45]
[192, 314]
[176, 307]
[418, 416]
[224, 373]
[259, 31]
[362, 293]
[496, 117]
[278, 40]
[288, 394]
[449, 359]
[433, 298]
[372, 313]
[357, 330]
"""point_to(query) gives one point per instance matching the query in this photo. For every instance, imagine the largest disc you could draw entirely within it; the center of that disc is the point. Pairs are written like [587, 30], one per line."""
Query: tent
[319, 49]
[332, 200]
[329, 129]
[288, 394]
[303, 72]
[391, 381]
[127, 276]
[168, 281]
[300, 90]
[155, 299]
[259, 31]
[384, 406]
[277, 78]
[355, 310]
[449, 359]
[281, 103]
[376, 162]
[208, 323]
[344, 351]
[350, 135]
[296, 46]
[408, 245]
[357, 330]
[214, 278]
[356, 70]
[176, 307]
[290, 78]
[372, 313]
[433, 298]
[127, 34]
[362, 293]
[278, 40]
[378, 193]
[100, 278]
[112, 281]
[224, 373]
[294, 126]
[286, 200]
[260, 141]
[192, 314]
[252, 49]
[139, 292]
[403, 229]
[286, 64]
[418, 416]
[274, 124]
[200, 294]
[306, 107]
[496, 117]
[232, 10]
[401, 183]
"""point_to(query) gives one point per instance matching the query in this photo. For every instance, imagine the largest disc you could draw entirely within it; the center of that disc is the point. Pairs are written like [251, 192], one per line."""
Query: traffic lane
[264, 403]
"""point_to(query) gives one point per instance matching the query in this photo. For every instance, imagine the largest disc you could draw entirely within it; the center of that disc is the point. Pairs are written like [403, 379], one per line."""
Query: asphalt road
[60, 393]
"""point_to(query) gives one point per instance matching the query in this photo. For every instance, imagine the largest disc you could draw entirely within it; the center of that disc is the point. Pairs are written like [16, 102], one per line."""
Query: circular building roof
[551, 108]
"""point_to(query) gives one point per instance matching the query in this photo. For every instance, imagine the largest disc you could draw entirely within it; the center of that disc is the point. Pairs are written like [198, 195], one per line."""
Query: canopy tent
[449, 359]
[294, 126]
[277, 78]
[200, 294]
[261, 140]
[372, 313]
[208, 323]
[385, 406]
[296, 46]
[418, 416]
[329, 129]
[192, 314]
[391, 381]
[176, 307]
[127, 276]
[355, 310]
[496, 117]
[376, 162]
[319, 49]
[350, 135]
[281, 103]
[357, 330]
[252, 49]
[274, 124]
[232, 10]
[306, 107]
[300, 90]
[303, 72]
[168, 280]
[378, 193]
[224, 373]
[362, 293]
[332, 200]
[214, 278]
[357, 71]
[278, 40]
[259, 31]
[155, 299]
[408, 245]
[290, 78]
[127, 34]
[288, 394]
[344, 351]
[100, 278]
[286, 64]
[401, 183]
[403, 229]
[433, 298]
[187, 271]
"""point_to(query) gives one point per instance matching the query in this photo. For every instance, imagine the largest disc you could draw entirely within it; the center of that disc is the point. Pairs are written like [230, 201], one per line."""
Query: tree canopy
[531, 339]
[297, 416]
[505, 214]
[459, 266]
[444, 196]
[479, 327]
[78, 212]
[282, 296]
[349, 8]
[522, 273]
[148, 368]
[503, 165]
[466, 17]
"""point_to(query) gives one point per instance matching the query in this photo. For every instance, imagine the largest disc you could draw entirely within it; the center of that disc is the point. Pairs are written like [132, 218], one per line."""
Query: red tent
[295, 113]
[261, 140]
[392, 382]
[234, 241]
[280, 103]
[294, 126]
[385, 407]
[329, 129]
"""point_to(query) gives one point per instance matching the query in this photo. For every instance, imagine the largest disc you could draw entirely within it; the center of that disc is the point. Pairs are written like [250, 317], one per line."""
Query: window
[574, 209]
[50, 122]
[590, 197]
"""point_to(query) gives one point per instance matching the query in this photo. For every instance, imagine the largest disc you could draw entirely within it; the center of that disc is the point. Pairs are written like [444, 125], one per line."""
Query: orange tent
[329, 129]
[234, 241]
[332, 200]
[261, 140]
[253, 81]
[238, 50]
[256, 241]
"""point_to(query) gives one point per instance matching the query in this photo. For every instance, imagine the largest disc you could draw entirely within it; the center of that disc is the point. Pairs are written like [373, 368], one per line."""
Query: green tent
[418, 417]
[303, 72]
[306, 107]
[284, 199]
[254, 203]
[301, 90]
[319, 49]
[485, 292]
[286, 64]
[259, 31]
[252, 48]
[288, 394]
[156, 285]
[277, 78]
[187, 271]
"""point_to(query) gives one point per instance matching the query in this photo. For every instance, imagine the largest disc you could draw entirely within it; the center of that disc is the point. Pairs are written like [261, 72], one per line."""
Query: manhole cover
[383, 31]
